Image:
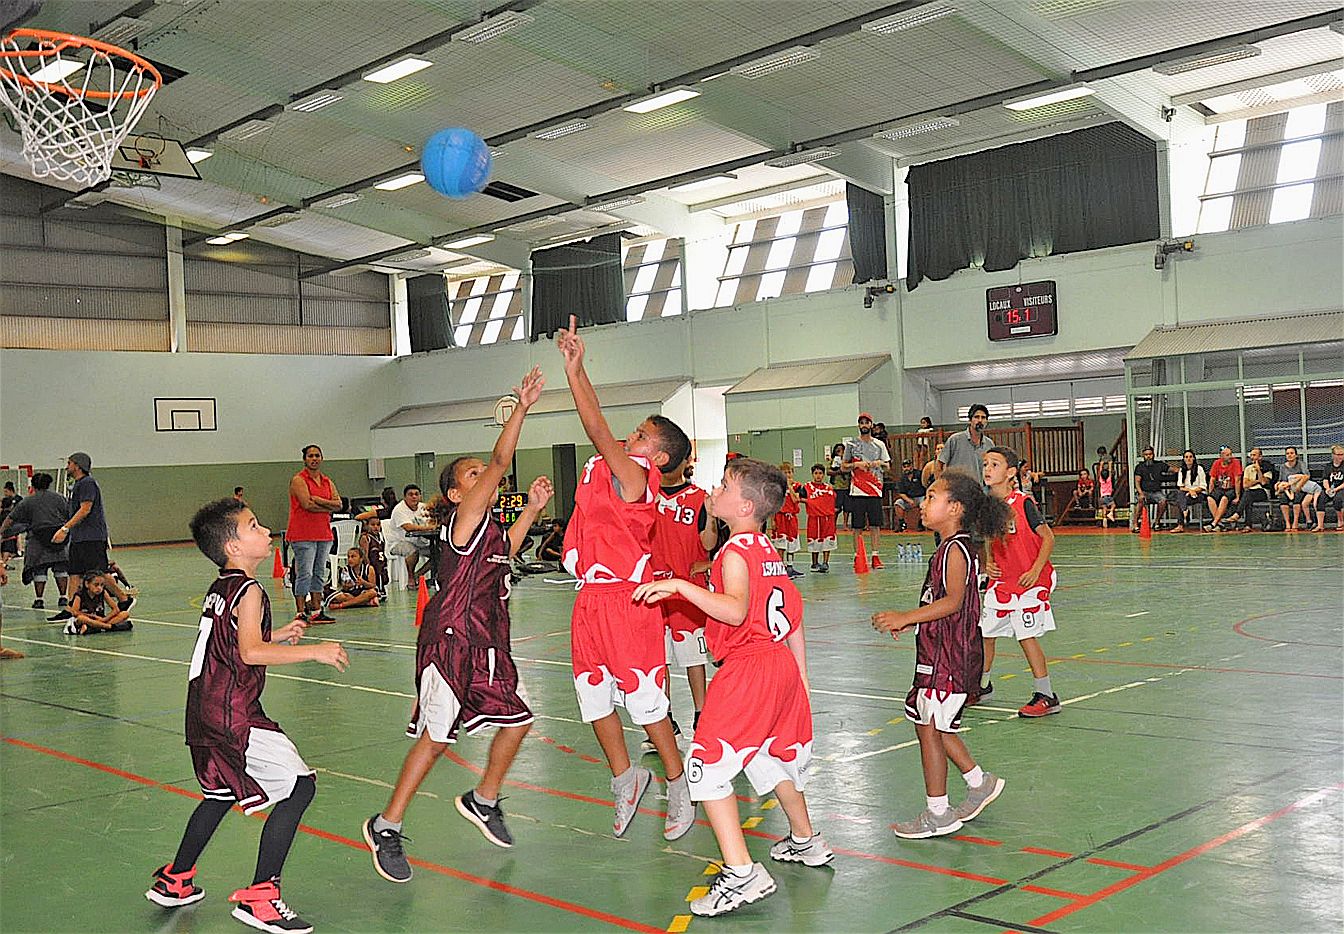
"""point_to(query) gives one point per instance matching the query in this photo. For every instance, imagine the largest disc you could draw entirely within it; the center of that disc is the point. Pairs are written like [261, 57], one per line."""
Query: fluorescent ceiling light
[562, 129]
[218, 241]
[316, 101]
[401, 181]
[397, 70]
[341, 200]
[914, 129]
[661, 99]
[1217, 57]
[908, 20]
[802, 155]
[198, 155]
[246, 130]
[470, 241]
[615, 203]
[705, 182]
[58, 70]
[227, 238]
[1050, 97]
[772, 63]
[493, 27]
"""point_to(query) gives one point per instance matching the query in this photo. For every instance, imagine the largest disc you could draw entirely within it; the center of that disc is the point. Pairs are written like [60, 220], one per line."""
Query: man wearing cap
[909, 494]
[965, 450]
[86, 528]
[865, 458]
[1225, 485]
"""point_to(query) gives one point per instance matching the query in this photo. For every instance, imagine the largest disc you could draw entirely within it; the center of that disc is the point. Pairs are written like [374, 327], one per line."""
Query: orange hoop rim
[57, 42]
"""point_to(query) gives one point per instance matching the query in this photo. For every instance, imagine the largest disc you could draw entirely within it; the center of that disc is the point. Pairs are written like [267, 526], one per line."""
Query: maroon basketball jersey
[223, 692]
[774, 607]
[676, 534]
[473, 599]
[949, 654]
[610, 541]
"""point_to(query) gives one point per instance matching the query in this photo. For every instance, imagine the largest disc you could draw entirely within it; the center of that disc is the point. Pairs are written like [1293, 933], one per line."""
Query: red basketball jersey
[610, 541]
[676, 534]
[223, 692]
[1016, 552]
[820, 499]
[774, 608]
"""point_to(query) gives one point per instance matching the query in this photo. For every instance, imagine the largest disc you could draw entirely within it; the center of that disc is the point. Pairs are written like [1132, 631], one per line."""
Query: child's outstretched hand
[892, 621]
[540, 492]
[571, 345]
[654, 591]
[530, 391]
[333, 654]
[291, 632]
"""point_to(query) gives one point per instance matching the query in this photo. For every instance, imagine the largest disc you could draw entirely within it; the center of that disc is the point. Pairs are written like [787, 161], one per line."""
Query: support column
[177, 287]
[399, 316]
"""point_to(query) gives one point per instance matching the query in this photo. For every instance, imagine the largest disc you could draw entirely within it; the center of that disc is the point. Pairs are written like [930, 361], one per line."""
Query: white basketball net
[74, 103]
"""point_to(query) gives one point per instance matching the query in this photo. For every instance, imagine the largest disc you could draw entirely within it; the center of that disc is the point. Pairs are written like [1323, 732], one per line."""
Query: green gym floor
[1193, 782]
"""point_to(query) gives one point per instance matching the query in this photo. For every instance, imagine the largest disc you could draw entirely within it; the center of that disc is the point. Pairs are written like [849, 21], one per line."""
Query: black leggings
[276, 837]
[1248, 497]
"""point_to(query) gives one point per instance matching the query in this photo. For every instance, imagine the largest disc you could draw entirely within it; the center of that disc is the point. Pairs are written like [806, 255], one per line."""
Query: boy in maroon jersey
[241, 756]
[948, 650]
[617, 648]
[757, 716]
[465, 677]
[1017, 601]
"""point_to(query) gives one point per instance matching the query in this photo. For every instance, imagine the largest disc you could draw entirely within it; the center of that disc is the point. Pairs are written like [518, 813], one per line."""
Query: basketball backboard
[14, 12]
[151, 154]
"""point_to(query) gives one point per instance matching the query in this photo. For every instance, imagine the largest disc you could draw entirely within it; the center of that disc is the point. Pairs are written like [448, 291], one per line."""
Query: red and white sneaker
[174, 889]
[260, 906]
[1040, 705]
[877, 563]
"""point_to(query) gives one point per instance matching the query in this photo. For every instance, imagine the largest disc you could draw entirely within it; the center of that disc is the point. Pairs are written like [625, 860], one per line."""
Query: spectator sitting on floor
[1193, 485]
[1257, 481]
[358, 587]
[375, 551]
[553, 545]
[93, 611]
[909, 494]
[1149, 475]
[1225, 478]
[1082, 493]
[1332, 492]
[1296, 490]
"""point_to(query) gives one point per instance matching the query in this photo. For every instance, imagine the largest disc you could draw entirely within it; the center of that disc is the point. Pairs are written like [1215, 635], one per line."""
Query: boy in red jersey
[820, 519]
[680, 550]
[757, 716]
[617, 648]
[240, 755]
[465, 677]
[1021, 578]
[785, 537]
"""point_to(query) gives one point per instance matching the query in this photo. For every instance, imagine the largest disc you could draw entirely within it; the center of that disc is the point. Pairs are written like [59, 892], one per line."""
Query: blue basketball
[456, 162]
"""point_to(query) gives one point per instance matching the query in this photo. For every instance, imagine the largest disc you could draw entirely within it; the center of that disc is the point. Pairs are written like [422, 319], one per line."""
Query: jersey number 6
[775, 618]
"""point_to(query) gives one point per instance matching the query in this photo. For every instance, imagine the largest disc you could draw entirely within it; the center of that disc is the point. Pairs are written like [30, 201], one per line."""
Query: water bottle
[919, 552]
[900, 552]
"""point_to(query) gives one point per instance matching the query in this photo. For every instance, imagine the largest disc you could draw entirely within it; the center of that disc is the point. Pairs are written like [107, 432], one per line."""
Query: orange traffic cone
[421, 599]
[278, 569]
[1145, 527]
[860, 556]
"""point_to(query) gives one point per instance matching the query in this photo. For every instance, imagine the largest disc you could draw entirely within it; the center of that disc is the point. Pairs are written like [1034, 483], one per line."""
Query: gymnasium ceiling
[245, 60]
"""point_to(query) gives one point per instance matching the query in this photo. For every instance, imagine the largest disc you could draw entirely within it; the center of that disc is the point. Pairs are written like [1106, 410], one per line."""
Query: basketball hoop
[67, 94]
[504, 409]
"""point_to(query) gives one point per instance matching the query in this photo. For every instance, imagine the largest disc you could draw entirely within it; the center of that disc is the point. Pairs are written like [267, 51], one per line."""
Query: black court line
[999, 923]
[952, 910]
[133, 789]
[96, 713]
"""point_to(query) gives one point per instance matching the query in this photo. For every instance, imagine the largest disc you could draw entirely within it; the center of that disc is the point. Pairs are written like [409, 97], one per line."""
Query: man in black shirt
[1148, 477]
[909, 493]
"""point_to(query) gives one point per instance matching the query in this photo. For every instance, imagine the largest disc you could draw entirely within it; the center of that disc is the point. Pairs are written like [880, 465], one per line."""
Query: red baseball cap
[863, 415]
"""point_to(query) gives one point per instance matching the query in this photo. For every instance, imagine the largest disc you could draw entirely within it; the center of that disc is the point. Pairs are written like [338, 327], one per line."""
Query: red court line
[1053, 893]
[925, 867]
[1058, 854]
[982, 841]
[1239, 629]
[1132, 867]
[1168, 666]
[1089, 900]
[537, 897]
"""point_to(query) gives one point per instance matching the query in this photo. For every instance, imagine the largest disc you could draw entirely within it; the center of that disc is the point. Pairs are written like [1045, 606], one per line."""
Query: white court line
[1140, 613]
[1191, 567]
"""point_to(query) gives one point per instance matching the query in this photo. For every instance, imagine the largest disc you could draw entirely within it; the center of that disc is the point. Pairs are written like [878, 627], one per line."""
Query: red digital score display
[1020, 311]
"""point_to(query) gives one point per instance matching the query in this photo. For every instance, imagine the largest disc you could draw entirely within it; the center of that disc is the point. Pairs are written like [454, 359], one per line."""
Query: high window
[652, 279]
[486, 309]
[798, 251]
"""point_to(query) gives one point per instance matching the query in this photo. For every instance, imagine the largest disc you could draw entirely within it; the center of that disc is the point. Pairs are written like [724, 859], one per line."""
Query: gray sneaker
[389, 859]
[680, 810]
[728, 892]
[627, 799]
[928, 825]
[978, 798]
[488, 820]
[814, 852]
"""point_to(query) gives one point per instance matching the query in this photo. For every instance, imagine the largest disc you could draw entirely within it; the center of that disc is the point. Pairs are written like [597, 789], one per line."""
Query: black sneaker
[321, 618]
[260, 906]
[984, 693]
[489, 821]
[125, 605]
[389, 859]
[38, 604]
[61, 617]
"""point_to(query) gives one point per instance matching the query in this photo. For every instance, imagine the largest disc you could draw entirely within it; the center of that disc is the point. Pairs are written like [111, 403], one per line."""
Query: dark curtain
[867, 233]
[427, 312]
[1076, 191]
[583, 279]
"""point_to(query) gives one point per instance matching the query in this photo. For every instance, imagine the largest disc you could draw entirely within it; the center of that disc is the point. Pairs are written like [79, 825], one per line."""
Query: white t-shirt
[404, 515]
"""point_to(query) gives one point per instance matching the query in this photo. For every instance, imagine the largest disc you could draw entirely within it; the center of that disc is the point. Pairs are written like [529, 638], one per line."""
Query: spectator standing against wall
[839, 478]
[312, 499]
[40, 515]
[865, 460]
[9, 545]
[86, 528]
[1332, 486]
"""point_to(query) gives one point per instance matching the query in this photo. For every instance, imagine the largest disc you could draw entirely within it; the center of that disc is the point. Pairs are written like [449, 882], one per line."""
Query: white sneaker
[928, 824]
[680, 809]
[627, 799]
[814, 852]
[729, 892]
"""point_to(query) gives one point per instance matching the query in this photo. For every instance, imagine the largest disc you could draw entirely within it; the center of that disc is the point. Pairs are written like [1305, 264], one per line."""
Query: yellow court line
[698, 891]
[679, 924]
[769, 804]
[751, 822]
